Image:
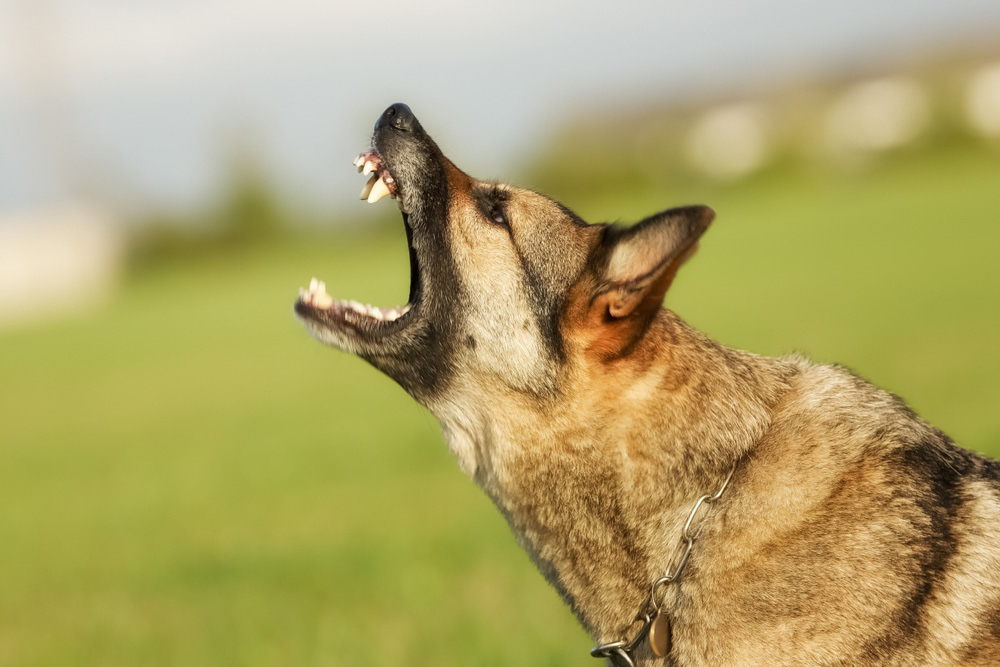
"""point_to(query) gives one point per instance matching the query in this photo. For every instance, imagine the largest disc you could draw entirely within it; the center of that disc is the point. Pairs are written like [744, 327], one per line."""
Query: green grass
[187, 479]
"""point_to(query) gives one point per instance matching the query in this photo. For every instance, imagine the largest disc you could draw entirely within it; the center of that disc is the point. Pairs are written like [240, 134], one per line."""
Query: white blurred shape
[877, 115]
[729, 141]
[982, 102]
[55, 261]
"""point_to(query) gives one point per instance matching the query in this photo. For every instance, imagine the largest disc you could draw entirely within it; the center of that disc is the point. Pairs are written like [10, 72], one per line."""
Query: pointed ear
[643, 260]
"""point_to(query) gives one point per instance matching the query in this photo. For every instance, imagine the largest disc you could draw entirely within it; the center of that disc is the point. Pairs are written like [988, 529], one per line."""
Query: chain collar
[621, 652]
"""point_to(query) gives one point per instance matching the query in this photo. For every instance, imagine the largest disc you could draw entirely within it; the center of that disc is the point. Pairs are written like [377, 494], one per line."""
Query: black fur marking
[932, 477]
[414, 262]
[990, 472]
[421, 358]
[544, 307]
[491, 202]
[430, 361]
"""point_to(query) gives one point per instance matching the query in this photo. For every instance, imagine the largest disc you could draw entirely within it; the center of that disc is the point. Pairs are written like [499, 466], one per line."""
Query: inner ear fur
[633, 267]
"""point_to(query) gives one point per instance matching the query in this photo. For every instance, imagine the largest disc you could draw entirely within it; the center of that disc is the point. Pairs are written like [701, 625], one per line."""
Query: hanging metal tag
[659, 635]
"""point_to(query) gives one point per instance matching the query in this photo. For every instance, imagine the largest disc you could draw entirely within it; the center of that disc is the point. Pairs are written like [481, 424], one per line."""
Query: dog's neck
[597, 480]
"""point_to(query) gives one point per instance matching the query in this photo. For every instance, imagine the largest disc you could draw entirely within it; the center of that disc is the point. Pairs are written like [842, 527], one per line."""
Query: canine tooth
[379, 190]
[366, 191]
[322, 288]
[359, 161]
[313, 284]
[368, 168]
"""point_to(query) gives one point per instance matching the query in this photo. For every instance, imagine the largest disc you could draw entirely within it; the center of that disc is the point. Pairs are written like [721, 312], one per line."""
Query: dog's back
[858, 535]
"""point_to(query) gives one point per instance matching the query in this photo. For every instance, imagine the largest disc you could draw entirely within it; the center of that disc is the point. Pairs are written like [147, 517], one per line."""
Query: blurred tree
[251, 209]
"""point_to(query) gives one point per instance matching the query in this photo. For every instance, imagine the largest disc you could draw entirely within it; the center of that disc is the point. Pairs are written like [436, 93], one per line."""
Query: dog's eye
[498, 216]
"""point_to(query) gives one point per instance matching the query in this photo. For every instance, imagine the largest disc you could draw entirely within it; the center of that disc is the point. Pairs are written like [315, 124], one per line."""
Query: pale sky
[145, 99]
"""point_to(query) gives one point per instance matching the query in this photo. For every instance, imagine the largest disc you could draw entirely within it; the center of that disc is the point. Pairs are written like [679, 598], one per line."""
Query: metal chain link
[620, 652]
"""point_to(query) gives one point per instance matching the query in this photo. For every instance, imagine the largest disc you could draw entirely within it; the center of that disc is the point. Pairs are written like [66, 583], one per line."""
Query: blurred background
[187, 479]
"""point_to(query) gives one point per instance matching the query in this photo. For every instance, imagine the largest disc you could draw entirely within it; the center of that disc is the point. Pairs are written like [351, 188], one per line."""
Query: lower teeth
[317, 297]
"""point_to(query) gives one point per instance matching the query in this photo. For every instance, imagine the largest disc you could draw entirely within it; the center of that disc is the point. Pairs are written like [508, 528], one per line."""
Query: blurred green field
[187, 479]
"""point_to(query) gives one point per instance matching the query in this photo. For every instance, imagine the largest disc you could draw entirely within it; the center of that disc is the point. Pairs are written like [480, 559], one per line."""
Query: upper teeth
[378, 190]
[377, 186]
[374, 189]
[365, 191]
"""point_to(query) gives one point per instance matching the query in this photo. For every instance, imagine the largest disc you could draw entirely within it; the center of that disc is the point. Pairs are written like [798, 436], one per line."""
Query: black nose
[398, 116]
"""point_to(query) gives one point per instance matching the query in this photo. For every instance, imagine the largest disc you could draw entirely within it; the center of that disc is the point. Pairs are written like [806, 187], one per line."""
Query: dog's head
[508, 289]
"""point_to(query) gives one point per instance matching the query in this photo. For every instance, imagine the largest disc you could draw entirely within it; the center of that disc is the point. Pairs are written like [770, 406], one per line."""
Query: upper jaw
[406, 165]
[380, 181]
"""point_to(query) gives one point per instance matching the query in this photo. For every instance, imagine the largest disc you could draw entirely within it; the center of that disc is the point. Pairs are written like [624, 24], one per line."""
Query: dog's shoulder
[870, 454]
[852, 480]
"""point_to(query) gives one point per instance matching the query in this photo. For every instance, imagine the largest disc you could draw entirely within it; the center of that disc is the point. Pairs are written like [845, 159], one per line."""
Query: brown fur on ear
[633, 268]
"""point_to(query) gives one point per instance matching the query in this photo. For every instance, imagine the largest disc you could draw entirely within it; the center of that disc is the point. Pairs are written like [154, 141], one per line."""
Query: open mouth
[365, 319]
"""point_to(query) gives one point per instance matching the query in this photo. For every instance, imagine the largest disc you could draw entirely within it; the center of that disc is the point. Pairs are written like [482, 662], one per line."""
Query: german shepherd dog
[834, 526]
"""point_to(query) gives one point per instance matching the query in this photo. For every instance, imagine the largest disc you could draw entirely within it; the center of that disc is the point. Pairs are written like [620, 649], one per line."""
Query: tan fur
[852, 533]
[596, 480]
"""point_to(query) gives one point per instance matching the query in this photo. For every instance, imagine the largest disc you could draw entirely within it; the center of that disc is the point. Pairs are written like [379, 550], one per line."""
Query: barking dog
[835, 527]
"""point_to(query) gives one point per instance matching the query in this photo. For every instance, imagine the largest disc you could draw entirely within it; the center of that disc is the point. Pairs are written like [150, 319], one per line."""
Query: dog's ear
[632, 269]
[642, 260]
